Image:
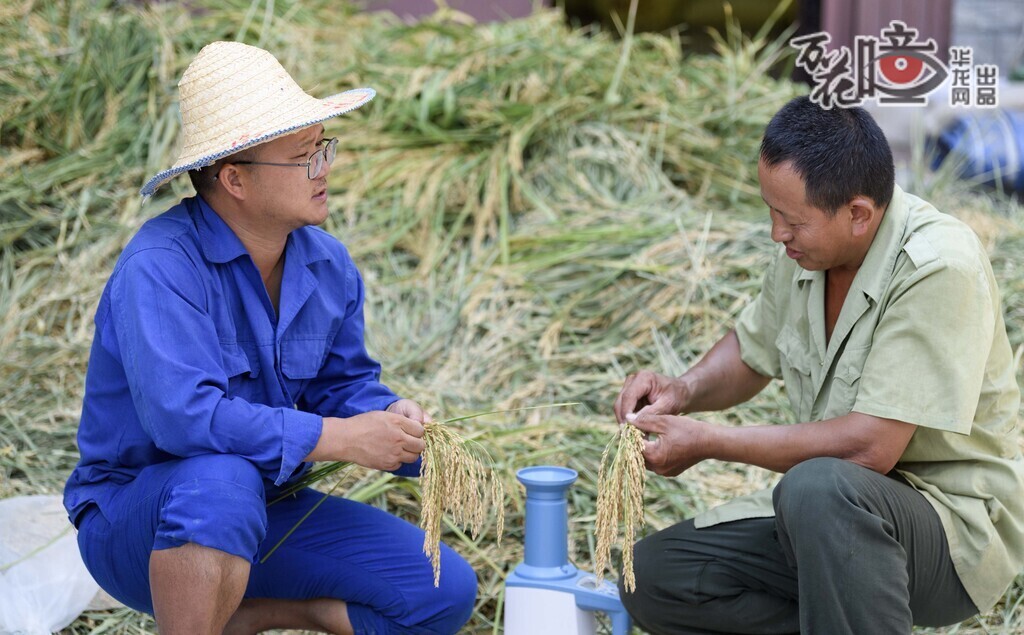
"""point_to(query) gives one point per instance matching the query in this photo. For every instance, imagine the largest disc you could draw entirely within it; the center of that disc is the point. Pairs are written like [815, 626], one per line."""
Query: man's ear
[863, 215]
[232, 181]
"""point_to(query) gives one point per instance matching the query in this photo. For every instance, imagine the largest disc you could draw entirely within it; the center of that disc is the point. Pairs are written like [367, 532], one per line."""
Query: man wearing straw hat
[229, 353]
[902, 500]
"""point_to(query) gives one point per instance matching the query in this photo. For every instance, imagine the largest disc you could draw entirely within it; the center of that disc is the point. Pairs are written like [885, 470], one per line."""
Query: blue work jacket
[189, 356]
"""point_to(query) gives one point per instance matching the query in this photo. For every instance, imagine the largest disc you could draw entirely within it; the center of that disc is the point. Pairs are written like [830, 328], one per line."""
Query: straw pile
[531, 224]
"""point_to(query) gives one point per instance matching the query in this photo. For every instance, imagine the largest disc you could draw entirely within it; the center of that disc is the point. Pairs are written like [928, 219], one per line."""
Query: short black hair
[204, 179]
[839, 153]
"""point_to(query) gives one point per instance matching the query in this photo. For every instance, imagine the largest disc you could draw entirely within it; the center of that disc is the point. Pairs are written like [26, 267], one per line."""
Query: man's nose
[781, 233]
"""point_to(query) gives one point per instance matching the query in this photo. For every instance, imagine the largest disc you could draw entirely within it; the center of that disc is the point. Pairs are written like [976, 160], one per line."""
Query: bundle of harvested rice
[620, 500]
[454, 480]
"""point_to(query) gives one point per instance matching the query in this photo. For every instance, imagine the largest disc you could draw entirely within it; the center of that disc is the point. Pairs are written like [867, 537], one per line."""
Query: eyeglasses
[314, 164]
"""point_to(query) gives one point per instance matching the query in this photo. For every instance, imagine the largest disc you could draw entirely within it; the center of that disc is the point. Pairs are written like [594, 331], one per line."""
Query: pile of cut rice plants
[532, 225]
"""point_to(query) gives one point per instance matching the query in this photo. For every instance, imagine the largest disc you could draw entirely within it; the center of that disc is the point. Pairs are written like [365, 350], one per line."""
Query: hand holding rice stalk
[620, 498]
[453, 479]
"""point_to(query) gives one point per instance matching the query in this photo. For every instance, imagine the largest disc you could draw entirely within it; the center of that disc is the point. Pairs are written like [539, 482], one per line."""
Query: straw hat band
[234, 96]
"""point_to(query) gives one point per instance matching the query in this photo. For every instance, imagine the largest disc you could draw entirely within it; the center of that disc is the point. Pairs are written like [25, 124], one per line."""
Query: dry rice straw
[620, 498]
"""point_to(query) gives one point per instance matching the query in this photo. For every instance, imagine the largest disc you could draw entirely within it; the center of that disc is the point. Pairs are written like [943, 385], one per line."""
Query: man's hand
[379, 440]
[411, 409]
[679, 444]
[650, 393]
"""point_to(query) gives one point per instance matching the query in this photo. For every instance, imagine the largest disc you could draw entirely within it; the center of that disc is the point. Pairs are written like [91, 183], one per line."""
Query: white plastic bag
[44, 585]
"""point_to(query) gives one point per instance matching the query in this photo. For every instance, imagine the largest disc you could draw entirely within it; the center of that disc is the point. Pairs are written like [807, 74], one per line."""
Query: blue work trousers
[372, 560]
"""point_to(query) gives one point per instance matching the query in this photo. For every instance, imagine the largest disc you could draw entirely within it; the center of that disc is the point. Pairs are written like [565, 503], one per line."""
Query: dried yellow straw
[620, 498]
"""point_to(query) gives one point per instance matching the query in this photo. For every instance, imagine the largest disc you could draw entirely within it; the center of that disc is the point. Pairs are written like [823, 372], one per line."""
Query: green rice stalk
[312, 509]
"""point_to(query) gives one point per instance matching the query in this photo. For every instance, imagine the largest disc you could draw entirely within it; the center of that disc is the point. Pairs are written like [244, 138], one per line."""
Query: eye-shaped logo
[908, 73]
[896, 68]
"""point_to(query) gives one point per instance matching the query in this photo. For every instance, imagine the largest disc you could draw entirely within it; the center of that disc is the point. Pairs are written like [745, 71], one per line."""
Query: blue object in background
[987, 147]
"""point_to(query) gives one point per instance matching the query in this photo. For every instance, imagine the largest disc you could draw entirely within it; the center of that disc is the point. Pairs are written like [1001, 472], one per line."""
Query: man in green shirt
[903, 496]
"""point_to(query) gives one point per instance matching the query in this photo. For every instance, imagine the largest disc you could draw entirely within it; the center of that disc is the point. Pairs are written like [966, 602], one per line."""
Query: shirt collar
[805, 274]
[218, 241]
[220, 244]
[876, 270]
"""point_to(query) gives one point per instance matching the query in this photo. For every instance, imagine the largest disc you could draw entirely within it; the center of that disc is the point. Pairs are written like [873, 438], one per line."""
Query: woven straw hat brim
[234, 96]
[314, 112]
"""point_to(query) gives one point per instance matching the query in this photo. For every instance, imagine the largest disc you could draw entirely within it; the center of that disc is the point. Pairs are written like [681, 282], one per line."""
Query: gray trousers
[849, 551]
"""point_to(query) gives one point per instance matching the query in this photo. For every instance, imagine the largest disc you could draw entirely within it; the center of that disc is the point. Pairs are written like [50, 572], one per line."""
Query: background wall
[482, 10]
[994, 28]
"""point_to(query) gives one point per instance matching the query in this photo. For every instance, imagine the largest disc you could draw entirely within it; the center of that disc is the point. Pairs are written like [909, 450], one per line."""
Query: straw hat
[234, 96]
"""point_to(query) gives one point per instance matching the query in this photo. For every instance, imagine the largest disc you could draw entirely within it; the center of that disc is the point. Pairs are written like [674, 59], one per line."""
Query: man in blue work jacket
[228, 354]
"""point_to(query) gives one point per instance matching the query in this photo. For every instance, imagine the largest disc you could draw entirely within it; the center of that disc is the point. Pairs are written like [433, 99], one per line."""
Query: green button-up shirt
[920, 339]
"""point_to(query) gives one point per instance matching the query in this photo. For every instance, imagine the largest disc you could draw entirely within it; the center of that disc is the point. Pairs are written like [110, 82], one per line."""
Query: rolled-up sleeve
[172, 359]
[757, 327]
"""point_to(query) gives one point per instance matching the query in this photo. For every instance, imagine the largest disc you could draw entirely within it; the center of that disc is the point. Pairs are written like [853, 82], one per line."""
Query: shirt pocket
[846, 382]
[797, 371]
[242, 366]
[303, 358]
